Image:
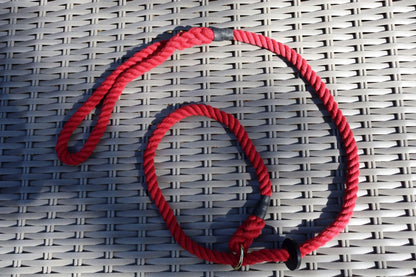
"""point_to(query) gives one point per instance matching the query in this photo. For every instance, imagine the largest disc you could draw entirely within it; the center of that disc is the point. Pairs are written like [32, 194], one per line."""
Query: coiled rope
[154, 55]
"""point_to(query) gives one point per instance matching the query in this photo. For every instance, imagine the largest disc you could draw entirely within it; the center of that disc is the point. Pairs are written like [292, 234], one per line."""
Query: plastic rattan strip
[97, 220]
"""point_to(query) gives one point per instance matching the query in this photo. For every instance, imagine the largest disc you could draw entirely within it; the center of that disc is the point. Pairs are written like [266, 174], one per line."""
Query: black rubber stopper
[295, 258]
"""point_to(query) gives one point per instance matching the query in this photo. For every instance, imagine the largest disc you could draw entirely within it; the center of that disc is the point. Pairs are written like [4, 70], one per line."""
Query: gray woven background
[97, 220]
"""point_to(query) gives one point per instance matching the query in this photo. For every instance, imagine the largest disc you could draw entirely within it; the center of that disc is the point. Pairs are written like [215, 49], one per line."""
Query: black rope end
[222, 34]
[295, 257]
[262, 206]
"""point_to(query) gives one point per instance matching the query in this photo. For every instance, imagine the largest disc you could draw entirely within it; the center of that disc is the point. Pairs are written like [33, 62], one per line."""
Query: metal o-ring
[240, 262]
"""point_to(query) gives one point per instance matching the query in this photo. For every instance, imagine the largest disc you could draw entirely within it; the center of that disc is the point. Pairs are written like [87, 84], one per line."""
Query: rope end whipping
[262, 206]
[221, 34]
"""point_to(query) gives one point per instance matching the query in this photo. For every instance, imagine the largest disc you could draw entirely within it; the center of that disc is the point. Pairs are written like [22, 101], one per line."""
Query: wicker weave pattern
[97, 220]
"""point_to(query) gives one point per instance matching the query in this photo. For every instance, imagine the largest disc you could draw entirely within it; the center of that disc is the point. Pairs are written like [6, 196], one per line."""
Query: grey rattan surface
[97, 220]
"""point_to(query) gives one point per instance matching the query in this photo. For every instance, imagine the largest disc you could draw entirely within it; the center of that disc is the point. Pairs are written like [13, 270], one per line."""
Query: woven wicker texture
[96, 219]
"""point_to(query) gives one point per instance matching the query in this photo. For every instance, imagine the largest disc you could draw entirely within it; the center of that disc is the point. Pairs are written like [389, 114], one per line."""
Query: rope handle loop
[155, 54]
[112, 87]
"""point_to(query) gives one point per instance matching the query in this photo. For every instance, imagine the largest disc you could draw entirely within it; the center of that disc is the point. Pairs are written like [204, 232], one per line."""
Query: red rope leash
[156, 54]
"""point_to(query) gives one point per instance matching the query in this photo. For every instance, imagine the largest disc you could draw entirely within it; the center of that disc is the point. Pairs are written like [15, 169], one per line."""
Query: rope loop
[155, 54]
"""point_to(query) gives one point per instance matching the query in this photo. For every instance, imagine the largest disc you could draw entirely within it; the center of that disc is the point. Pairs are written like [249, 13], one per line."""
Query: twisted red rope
[153, 56]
